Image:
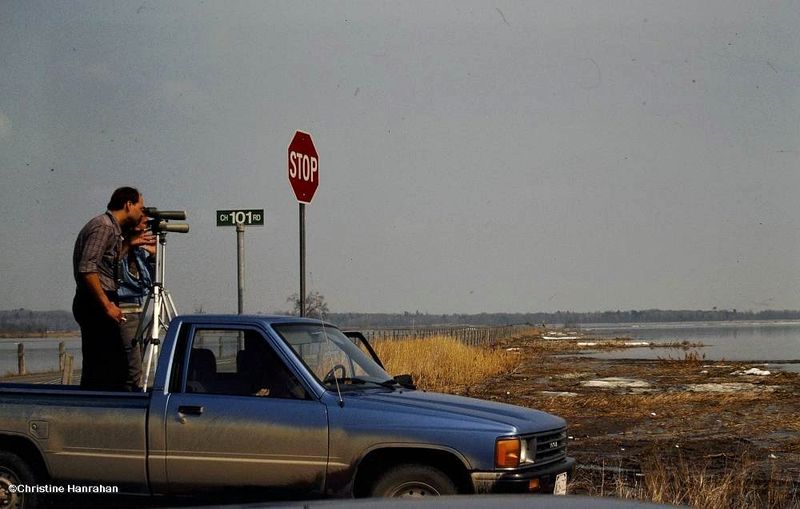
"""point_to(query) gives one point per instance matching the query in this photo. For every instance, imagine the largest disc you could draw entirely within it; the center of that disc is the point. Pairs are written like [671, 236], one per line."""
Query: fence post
[66, 372]
[62, 349]
[21, 359]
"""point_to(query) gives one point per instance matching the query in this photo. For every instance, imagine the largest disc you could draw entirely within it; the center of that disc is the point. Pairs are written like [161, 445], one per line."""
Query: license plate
[561, 484]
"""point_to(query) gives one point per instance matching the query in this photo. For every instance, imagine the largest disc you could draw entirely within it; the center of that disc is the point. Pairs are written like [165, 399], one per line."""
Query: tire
[413, 480]
[14, 471]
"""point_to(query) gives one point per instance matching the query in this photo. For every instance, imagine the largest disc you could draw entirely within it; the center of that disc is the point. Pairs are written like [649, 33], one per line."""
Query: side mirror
[406, 381]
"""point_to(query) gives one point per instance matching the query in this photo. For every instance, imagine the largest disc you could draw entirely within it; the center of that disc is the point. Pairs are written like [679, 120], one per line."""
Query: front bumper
[521, 481]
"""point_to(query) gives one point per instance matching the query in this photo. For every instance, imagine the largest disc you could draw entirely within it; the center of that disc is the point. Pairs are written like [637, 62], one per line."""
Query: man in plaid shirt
[95, 263]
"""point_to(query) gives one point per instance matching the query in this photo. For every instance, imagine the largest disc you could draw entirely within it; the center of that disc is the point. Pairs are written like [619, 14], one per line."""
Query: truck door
[241, 417]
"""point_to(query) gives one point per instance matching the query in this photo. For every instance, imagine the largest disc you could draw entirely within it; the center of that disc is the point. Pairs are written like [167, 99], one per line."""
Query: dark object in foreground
[466, 502]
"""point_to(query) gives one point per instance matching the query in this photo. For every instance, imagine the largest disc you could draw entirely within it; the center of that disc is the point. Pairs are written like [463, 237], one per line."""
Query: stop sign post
[303, 172]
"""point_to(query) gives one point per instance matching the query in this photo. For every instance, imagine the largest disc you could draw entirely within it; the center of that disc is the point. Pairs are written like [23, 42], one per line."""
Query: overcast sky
[474, 156]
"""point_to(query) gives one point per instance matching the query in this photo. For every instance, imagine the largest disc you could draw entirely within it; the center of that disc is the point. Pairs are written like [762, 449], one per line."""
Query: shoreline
[624, 414]
[41, 335]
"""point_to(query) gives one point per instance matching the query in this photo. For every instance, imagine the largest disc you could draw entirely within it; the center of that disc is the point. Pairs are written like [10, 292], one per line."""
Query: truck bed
[85, 436]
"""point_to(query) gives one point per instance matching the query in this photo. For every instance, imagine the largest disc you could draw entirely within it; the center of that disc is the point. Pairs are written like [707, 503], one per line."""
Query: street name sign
[246, 217]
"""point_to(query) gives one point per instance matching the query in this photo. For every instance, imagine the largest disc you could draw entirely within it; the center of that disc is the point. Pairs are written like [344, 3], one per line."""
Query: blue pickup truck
[284, 406]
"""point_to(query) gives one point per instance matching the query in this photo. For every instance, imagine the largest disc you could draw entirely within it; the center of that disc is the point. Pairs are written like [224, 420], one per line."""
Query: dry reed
[444, 364]
[693, 482]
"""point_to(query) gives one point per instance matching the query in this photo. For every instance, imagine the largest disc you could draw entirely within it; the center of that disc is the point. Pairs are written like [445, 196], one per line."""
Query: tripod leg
[169, 306]
[142, 337]
[155, 325]
[144, 323]
[163, 313]
[152, 353]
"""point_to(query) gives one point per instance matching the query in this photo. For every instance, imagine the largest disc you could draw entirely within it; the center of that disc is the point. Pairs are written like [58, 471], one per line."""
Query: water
[776, 344]
[41, 354]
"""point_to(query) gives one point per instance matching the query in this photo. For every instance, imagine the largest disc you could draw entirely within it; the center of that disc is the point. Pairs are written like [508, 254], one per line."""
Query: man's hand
[114, 312]
[92, 280]
[142, 238]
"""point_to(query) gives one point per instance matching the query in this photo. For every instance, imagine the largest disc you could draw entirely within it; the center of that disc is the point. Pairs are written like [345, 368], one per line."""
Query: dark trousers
[105, 364]
[133, 351]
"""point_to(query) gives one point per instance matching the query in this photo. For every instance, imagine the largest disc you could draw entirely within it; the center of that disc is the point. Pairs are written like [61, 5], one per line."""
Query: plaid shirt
[97, 250]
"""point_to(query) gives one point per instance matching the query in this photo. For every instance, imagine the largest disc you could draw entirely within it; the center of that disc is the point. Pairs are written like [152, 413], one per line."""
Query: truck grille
[547, 447]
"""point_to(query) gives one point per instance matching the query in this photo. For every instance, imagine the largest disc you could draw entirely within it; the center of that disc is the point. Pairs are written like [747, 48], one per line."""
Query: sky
[473, 156]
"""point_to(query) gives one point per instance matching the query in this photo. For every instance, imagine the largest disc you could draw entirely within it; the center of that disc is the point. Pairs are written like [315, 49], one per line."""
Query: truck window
[240, 363]
[328, 354]
[179, 363]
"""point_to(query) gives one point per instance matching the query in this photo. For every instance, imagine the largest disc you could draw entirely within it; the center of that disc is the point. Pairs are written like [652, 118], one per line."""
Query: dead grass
[662, 410]
[690, 356]
[671, 444]
[444, 364]
[666, 402]
[538, 346]
[680, 480]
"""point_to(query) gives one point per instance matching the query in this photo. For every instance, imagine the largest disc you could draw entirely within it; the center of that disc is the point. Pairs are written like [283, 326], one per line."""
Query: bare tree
[316, 307]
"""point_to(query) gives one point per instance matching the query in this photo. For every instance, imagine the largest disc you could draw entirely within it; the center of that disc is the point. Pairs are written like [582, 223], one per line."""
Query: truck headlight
[507, 452]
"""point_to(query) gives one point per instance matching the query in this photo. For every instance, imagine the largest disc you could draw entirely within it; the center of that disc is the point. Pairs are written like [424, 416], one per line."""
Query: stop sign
[303, 167]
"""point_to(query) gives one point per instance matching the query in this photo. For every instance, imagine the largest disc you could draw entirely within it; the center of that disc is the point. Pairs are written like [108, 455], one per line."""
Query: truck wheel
[13, 472]
[413, 481]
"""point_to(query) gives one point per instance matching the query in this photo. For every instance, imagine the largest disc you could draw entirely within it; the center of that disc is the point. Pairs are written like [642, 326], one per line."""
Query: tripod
[160, 308]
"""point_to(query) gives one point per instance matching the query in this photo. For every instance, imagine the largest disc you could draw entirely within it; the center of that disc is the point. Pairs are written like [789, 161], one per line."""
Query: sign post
[304, 179]
[240, 268]
[240, 219]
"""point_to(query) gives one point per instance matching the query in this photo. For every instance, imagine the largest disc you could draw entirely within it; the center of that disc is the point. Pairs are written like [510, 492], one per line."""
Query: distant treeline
[32, 322]
[36, 322]
[566, 318]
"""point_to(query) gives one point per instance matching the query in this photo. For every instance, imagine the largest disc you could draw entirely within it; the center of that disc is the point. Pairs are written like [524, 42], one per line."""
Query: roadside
[630, 419]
